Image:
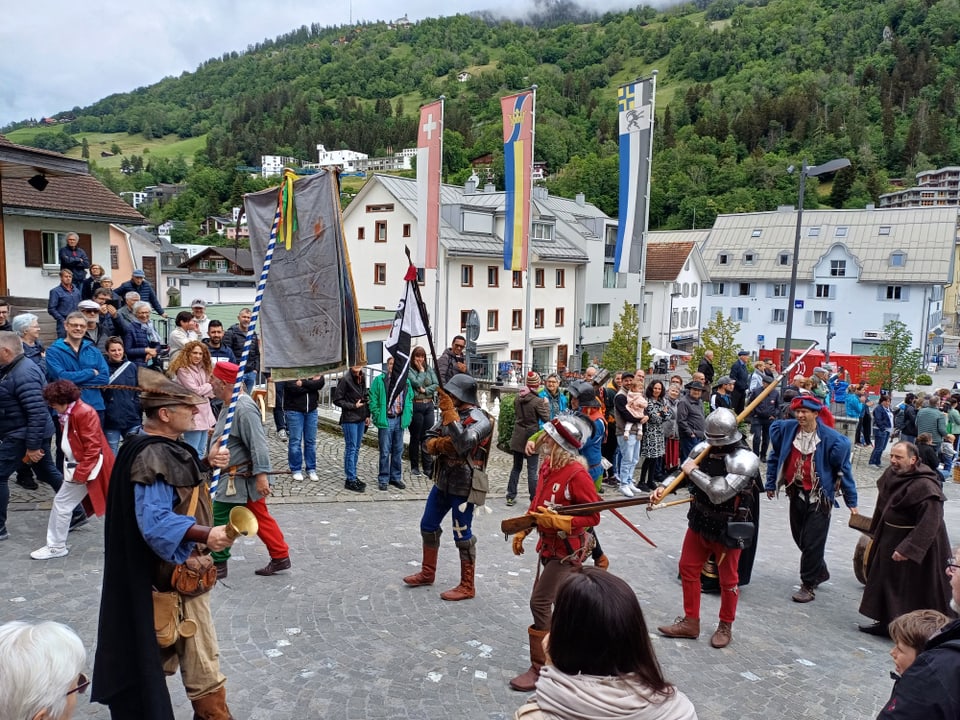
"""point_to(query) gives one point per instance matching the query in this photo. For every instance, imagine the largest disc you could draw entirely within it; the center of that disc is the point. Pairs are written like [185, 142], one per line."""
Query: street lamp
[805, 172]
[667, 345]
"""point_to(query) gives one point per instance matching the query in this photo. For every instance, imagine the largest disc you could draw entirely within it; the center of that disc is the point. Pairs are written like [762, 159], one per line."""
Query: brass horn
[242, 522]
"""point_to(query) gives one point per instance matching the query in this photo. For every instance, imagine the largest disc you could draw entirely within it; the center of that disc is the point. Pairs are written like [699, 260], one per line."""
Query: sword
[619, 515]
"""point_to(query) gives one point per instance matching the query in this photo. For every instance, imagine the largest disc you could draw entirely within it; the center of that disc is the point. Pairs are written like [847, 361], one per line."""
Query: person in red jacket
[564, 541]
[87, 464]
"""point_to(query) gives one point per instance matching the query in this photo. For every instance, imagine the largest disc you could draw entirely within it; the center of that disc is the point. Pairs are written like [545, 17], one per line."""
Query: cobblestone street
[340, 636]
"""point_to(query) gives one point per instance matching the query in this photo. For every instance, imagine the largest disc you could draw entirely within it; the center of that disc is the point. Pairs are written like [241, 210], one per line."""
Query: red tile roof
[665, 260]
[82, 196]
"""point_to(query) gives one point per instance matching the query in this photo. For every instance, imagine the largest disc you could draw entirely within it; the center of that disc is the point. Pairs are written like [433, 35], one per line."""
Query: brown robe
[909, 520]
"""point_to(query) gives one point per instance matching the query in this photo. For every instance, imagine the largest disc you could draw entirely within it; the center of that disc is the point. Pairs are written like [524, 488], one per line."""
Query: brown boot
[602, 562]
[805, 594]
[468, 557]
[428, 570]
[721, 638]
[527, 681]
[683, 627]
[212, 706]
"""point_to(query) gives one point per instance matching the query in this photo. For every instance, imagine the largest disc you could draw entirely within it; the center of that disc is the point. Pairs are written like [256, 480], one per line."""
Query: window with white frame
[740, 314]
[744, 289]
[838, 268]
[819, 317]
[516, 320]
[883, 230]
[780, 290]
[813, 232]
[538, 317]
[52, 242]
[757, 232]
[898, 259]
[749, 257]
[894, 292]
[466, 275]
[778, 315]
[541, 231]
[840, 232]
[822, 291]
[723, 259]
[597, 314]
[561, 277]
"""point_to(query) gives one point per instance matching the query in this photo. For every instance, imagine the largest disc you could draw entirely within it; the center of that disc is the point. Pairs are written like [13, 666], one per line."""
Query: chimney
[540, 192]
[470, 187]
[581, 199]
[870, 207]
[489, 188]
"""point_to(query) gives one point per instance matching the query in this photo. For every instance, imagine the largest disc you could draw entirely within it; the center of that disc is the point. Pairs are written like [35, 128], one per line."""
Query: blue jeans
[12, 451]
[880, 438]
[279, 416]
[630, 450]
[352, 435]
[302, 445]
[390, 440]
[438, 505]
[115, 436]
[533, 465]
[249, 380]
[197, 439]
[687, 444]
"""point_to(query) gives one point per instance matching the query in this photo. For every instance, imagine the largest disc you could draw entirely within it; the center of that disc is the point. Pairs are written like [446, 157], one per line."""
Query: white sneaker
[626, 490]
[313, 475]
[298, 476]
[47, 552]
[282, 434]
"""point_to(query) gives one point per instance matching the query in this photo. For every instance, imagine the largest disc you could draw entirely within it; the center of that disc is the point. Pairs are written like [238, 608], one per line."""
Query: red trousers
[269, 531]
[694, 553]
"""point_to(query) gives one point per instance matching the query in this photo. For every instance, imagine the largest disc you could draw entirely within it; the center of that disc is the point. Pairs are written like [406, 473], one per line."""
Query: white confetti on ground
[364, 597]
[865, 650]
[438, 653]
[435, 676]
[806, 662]
[474, 643]
[307, 674]
[272, 652]
[397, 545]
[282, 643]
[749, 676]
[480, 675]
[294, 631]
[18, 599]
[514, 574]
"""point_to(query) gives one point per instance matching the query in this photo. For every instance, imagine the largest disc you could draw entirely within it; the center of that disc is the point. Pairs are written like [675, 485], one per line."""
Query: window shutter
[745, 314]
[753, 289]
[833, 292]
[86, 243]
[881, 292]
[714, 310]
[32, 248]
[809, 317]
[904, 293]
[770, 289]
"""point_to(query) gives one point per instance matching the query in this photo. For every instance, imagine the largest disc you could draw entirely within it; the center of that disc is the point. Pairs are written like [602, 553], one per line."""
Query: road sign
[798, 304]
[759, 338]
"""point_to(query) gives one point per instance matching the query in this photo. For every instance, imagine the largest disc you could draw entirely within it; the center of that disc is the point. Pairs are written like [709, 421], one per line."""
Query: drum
[861, 558]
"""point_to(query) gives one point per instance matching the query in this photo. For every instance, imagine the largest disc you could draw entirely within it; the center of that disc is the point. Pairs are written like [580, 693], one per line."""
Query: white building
[857, 270]
[381, 220]
[675, 278]
[272, 165]
[346, 159]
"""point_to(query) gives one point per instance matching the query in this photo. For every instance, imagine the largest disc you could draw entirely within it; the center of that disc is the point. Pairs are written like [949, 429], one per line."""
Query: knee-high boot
[527, 681]
[468, 558]
[428, 570]
[212, 706]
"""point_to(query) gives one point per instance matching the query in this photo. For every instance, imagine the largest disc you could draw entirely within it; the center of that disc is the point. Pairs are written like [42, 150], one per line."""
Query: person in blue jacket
[74, 258]
[63, 300]
[123, 415]
[806, 459]
[77, 359]
[138, 284]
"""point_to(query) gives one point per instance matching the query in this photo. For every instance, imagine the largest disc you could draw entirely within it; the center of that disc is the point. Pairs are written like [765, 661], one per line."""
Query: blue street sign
[759, 338]
[798, 304]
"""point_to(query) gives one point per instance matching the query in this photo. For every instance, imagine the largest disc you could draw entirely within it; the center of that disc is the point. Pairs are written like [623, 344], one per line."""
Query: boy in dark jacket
[351, 397]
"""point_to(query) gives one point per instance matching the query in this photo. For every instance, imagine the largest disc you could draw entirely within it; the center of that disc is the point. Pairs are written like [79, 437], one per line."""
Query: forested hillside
[745, 88]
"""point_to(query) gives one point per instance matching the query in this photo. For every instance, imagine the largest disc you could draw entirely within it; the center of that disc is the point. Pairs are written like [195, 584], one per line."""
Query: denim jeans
[302, 445]
[533, 465]
[880, 438]
[197, 439]
[115, 436]
[352, 435]
[630, 450]
[12, 451]
[438, 505]
[390, 440]
[687, 444]
[249, 380]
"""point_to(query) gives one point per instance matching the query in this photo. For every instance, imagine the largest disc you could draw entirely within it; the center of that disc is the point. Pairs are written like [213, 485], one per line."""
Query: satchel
[739, 534]
[198, 574]
[479, 488]
[168, 621]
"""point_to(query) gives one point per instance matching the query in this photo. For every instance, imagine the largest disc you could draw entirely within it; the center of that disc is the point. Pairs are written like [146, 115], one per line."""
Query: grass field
[168, 146]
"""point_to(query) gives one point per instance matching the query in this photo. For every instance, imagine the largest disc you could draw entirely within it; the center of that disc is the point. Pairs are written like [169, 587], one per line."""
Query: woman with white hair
[27, 327]
[41, 671]
[139, 337]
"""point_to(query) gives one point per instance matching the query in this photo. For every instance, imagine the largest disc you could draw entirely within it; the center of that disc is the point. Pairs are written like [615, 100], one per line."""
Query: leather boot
[428, 570]
[683, 627]
[602, 562]
[221, 569]
[468, 557]
[212, 706]
[721, 638]
[527, 681]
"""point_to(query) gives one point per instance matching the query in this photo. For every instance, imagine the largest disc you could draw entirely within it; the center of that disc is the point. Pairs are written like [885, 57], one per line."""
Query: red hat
[226, 371]
[808, 402]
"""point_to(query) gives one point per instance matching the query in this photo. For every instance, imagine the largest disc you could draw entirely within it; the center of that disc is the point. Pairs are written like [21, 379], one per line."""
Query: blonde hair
[182, 359]
[913, 629]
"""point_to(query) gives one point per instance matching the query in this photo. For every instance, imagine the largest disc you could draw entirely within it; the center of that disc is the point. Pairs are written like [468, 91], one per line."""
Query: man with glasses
[905, 570]
[158, 515]
[929, 687]
[63, 300]
[77, 359]
[453, 361]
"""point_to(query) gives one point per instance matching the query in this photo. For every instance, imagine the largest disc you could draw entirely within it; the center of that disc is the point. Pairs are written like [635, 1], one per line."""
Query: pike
[511, 526]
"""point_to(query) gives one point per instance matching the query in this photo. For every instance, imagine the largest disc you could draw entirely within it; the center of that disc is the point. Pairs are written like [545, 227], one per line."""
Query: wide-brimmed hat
[585, 394]
[157, 390]
[695, 385]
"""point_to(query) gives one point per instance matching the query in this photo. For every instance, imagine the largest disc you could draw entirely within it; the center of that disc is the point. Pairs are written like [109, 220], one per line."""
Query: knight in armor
[720, 522]
[564, 542]
[459, 444]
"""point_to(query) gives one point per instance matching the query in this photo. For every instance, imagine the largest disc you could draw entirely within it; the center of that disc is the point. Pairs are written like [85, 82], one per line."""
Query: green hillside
[169, 146]
[745, 88]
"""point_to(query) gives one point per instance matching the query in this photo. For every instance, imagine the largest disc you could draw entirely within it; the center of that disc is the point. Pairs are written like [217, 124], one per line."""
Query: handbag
[168, 621]
[198, 574]
[739, 534]
[479, 488]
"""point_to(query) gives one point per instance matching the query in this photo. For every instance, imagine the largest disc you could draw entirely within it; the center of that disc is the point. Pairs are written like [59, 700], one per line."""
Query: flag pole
[646, 228]
[527, 350]
[422, 309]
[436, 298]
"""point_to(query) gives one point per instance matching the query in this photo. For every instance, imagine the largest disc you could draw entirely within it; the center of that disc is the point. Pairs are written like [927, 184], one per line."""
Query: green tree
[85, 150]
[621, 352]
[896, 361]
[115, 149]
[720, 335]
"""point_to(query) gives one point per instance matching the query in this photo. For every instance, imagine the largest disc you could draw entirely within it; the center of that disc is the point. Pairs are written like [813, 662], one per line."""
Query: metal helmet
[462, 387]
[582, 422]
[565, 433]
[585, 394]
[721, 427]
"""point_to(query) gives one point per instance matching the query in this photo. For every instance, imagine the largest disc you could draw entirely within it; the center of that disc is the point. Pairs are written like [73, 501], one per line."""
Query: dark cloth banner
[408, 323]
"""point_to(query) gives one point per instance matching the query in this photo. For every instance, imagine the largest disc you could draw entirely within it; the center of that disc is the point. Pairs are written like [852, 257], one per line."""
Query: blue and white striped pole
[238, 382]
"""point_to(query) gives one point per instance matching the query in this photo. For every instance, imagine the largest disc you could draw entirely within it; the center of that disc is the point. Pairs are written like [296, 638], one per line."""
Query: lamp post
[805, 172]
[667, 345]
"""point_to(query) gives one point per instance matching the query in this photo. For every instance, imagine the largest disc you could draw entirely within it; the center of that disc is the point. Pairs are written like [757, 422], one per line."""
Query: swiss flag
[429, 151]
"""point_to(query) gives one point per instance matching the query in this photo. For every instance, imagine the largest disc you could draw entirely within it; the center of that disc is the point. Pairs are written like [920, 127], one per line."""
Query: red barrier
[858, 366]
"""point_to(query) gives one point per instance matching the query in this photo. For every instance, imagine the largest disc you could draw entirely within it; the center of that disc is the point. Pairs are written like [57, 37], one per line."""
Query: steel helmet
[565, 433]
[585, 393]
[721, 427]
[462, 387]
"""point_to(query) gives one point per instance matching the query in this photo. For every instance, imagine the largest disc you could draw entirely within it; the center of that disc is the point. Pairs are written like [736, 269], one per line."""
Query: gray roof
[927, 236]
[562, 248]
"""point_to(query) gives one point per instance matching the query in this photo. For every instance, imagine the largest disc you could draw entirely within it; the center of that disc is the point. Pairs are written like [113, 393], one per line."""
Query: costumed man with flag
[720, 522]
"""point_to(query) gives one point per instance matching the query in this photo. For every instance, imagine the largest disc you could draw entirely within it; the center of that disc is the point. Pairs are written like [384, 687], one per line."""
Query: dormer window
[841, 232]
[756, 232]
[898, 259]
[884, 230]
[749, 257]
[813, 232]
[723, 259]
[783, 258]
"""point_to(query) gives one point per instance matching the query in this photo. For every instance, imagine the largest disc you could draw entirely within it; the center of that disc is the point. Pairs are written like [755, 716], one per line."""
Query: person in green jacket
[391, 422]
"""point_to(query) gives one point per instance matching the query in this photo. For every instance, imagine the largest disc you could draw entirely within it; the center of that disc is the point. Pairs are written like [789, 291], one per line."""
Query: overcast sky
[58, 54]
